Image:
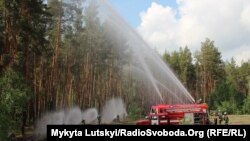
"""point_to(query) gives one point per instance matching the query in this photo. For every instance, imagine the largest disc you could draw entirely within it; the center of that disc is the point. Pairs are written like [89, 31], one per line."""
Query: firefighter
[226, 119]
[117, 118]
[220, 117]
[215, 119]
[99, 119]
[83, 122]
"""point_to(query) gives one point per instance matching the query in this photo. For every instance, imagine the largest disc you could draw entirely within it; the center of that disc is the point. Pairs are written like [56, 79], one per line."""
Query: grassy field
[239, 119]
[236, 119]
[233, 120]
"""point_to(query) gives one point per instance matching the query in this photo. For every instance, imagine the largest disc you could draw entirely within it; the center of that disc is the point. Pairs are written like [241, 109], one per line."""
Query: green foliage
[229, 107]
[1, 26]
[212, 66]
[226, 98]
[223, 85]
[186, 67]
[181, 62]
[231, 72]
[244, 78]
[246, 105]
[13, 97]
[245, 108]
[135, 111]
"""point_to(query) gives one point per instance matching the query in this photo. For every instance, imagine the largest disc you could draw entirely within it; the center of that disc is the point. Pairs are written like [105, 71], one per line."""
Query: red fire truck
[176, 114]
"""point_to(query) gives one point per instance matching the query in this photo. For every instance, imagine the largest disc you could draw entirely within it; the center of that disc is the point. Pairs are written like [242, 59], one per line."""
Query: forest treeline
[223, 85]
[56, 54]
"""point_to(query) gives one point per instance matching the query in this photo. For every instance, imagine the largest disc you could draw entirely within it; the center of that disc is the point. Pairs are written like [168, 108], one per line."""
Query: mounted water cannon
[199, 101]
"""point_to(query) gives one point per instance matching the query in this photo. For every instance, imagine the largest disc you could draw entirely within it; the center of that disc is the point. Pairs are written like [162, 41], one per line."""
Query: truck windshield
[153, 111]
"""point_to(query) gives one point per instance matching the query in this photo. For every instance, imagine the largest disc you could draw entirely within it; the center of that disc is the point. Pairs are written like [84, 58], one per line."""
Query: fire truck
[179, 114]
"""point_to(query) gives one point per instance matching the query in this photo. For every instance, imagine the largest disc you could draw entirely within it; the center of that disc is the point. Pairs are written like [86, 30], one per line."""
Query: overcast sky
[169, 24]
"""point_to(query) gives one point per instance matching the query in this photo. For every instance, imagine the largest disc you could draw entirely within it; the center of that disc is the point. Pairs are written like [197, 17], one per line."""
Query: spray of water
[90, 115]
[50, 118]
[73, 116]
[113, 108]
[147, 65]
[70, 116]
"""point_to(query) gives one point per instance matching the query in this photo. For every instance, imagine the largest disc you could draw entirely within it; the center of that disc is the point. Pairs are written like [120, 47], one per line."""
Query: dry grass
[239, 119]
[233, 120]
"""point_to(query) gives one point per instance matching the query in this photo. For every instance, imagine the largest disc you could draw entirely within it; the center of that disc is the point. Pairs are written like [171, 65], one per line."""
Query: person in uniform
[220, 117]
[215, 119]
[226, 119]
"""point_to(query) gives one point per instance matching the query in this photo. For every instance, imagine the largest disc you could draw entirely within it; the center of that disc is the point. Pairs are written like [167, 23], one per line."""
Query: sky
[168, 24]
